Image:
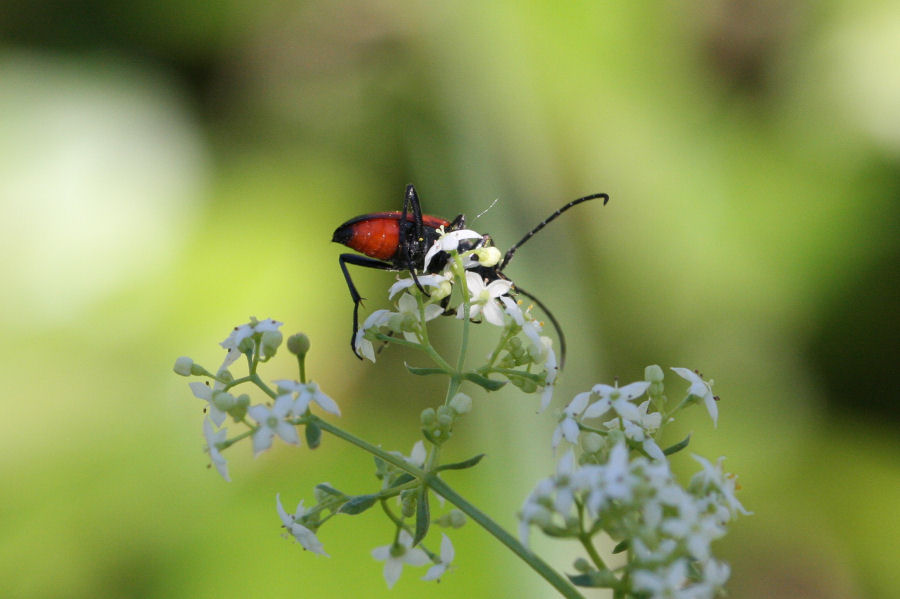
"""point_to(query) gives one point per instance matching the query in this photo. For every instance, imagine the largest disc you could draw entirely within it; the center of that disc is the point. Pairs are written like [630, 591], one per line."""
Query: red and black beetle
[399, 240]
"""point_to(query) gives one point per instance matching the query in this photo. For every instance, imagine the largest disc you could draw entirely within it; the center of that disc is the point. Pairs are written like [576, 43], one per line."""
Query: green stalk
[559, 582]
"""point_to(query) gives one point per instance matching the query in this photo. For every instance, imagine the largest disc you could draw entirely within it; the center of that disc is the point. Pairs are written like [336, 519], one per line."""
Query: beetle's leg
[364, 261]
[411, 202]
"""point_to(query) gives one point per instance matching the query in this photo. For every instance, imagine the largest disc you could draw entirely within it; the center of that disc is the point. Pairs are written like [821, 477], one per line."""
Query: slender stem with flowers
[614, 482]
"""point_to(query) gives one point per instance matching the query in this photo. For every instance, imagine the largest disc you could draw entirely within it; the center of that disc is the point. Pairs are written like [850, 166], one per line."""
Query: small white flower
[715, 573]
[568, 427]
[304, 393]
[272, 422]
[639, 435]
[535, 510]
[396, 555]
[447, 555]
[701, 389]
[433, 281]
[243, 331]
[617, 477]
[215, 438]
[611, 481]
[207, 394]
[408, 308]
[304, 536]
[552, 371]
[693, 528]
[641, 430]
[417, 455]
[447, 242]
[619, 399]
[716, 478]
[482, 298]
[565, 484]
[375, 320]
[665, 582]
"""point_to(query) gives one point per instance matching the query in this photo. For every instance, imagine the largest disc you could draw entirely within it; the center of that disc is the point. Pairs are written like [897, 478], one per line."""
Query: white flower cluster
[622, 486]
[292, 401]
[489, 300]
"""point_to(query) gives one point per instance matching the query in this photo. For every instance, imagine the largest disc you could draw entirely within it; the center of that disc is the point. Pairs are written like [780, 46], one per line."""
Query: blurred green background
[169, 168]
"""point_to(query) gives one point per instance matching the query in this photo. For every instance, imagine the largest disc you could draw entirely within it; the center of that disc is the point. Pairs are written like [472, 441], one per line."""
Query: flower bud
[456, 518]
[653, 373]
[582, 565]
[428, 417]
[408, 504]
[298, 344]
[444, 417]
[461, 404]
[198, 370]
[239, 410]
[592, 442]
[223, 400]
[488, 256]
[246, 345]
[183, 366]
[270, 342]
[441, 291]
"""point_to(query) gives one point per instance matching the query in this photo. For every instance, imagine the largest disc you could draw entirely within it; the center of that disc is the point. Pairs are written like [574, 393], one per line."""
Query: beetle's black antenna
[544, 223]
[559, 333]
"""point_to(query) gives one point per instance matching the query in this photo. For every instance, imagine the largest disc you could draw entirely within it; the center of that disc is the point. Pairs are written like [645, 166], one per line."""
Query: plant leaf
[678, 446]
[358, 504]
[423, 515]
[483, 381]
[461, 465]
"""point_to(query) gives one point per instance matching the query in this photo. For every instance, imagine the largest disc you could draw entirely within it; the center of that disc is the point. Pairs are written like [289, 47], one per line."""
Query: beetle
[399, 240]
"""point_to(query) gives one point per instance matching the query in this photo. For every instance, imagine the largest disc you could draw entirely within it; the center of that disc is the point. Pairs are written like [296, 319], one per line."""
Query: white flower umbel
[702, 389]
[214, 439]
[482, 298]
[396, 555]
[305, 393]
[272, 422]
[447, 554]
[302, 534]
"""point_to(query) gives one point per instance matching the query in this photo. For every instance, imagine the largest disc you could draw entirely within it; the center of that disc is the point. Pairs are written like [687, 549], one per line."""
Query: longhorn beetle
[399, 241]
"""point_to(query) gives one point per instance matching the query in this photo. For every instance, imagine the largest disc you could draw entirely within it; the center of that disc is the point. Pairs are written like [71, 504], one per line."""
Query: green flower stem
[301, 363]
[504, 339]
[559, 582]
[556, 580]
[432, 353]
[585, 539]
[390, 458]
[456, 379]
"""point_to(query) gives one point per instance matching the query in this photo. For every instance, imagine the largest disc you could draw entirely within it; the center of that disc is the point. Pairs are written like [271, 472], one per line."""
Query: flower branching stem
[432, 480]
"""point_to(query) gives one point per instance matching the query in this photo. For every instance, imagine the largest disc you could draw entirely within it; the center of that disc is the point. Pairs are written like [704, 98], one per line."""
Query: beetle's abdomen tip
[342, 234]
